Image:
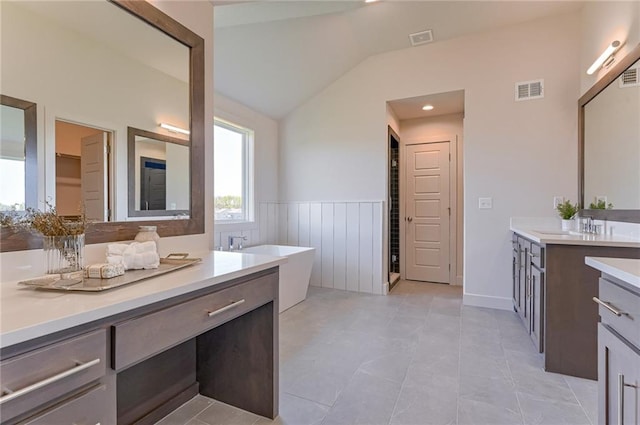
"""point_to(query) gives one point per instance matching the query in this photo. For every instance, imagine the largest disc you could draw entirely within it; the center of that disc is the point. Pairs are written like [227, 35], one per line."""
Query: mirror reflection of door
[82, 171]
[153, 183]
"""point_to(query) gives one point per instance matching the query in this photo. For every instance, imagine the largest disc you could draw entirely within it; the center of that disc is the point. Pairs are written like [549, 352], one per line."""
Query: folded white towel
[134, 256]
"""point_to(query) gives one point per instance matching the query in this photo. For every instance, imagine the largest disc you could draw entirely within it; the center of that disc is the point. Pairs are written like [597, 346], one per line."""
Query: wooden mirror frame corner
[631, 216]
[11, 240]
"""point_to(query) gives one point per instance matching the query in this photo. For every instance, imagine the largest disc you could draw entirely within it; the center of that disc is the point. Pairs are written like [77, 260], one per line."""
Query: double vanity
[553, 291]
[134, 354]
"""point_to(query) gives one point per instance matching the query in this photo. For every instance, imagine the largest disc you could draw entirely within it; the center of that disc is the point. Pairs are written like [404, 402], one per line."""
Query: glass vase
[64, 253]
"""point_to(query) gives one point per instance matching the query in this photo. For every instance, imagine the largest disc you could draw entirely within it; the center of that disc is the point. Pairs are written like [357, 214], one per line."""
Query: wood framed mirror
[11, 240]
[609, 143]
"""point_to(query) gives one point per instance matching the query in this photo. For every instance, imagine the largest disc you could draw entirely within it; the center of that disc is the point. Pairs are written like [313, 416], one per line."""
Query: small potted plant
[600, 204]
[567, 210]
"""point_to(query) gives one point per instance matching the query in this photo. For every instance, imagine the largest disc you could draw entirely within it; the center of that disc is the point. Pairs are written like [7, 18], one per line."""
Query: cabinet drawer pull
[532, 255]
[609, 307]
[225, 308]
[18, 393]
[621, 386]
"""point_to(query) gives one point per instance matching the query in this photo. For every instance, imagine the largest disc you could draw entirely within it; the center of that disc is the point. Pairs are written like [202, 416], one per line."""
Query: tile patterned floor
[415, 357]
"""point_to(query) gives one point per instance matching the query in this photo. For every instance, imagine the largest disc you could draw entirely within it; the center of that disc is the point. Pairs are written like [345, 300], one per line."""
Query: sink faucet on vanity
[232, 240]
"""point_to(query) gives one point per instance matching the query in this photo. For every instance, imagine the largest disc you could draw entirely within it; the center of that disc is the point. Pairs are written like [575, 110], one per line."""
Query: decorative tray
[77, 282]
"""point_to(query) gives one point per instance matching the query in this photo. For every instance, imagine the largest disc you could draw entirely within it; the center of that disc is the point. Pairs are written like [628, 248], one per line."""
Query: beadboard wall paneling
[347, 236]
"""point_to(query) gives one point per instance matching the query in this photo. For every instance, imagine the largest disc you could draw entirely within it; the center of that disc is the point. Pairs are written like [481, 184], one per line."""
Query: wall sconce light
[609, 51]
[174, 129]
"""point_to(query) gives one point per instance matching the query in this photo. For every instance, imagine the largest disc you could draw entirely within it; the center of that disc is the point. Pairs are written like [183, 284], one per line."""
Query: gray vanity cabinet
[139, 365]
[528, 286]
[618, 353]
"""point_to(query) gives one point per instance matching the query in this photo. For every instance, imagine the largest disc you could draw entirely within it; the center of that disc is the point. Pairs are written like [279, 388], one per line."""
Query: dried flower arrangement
[63, 238]
[47, 222]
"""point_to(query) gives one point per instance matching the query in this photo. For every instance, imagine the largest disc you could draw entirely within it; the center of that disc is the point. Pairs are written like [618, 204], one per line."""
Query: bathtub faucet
[233, 238]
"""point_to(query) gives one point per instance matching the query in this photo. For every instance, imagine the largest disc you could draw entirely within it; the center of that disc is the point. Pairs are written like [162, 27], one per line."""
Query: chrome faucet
[590, 227]
[233, 238]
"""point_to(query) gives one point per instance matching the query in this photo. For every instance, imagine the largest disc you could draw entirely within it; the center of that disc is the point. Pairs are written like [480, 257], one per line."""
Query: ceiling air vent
[630, 78]
[528, 90]
[419, 38]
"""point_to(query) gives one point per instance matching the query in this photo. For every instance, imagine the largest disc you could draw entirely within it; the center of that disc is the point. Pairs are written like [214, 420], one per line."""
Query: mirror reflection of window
[12, 159]
[82, 171]
[233, 186]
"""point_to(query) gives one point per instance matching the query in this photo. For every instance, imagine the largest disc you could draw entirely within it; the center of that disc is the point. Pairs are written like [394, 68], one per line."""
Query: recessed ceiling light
[427, 107]
[370, 1]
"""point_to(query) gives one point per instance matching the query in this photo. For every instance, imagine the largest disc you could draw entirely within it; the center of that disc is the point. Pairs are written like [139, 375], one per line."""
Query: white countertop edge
[625, 269]
[27, 333]
[589, 240]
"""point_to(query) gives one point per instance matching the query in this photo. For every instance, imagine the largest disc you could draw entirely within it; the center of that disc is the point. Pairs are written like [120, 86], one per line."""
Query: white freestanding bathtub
[294, 274]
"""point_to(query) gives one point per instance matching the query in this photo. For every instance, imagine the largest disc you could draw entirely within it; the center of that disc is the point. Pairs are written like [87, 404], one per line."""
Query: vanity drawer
[142, 337]
[34, 378]
[536, 255]
[619, 300]
[90, 407]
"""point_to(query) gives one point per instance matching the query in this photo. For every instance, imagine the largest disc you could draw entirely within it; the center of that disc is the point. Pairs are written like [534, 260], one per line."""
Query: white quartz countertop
[551, 235]
[27, 313]
[625, 269]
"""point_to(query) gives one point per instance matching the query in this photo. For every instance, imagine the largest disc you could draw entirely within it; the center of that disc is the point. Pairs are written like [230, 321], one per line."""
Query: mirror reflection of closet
[82, 171]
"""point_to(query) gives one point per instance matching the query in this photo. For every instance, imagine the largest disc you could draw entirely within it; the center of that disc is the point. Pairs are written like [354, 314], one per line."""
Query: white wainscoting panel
[347, 236]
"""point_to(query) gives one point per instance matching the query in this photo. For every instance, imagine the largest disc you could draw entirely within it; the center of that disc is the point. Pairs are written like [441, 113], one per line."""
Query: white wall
[197, 16]
[265, 157]
[602, 23]
[520, 154]
[421, 129]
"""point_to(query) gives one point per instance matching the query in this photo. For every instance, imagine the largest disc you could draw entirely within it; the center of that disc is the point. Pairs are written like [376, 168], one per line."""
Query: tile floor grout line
[579, 402]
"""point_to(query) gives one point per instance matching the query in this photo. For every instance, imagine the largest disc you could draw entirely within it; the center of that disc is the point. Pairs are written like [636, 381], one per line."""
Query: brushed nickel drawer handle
[609, 307]
[621, 386]
[225, 308]
[26, 390]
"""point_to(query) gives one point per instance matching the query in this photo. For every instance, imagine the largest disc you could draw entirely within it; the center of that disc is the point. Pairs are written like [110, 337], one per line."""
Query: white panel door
[427, 212]
[94, 183]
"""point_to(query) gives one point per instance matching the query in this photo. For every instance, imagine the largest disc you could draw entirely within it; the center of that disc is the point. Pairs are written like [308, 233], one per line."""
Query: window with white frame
[233, 176]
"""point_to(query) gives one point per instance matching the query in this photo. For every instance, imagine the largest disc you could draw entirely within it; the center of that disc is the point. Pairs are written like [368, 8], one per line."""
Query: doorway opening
[82, 171]
[429, 132]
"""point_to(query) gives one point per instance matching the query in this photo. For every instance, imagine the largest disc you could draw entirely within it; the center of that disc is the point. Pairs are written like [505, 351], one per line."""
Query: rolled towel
[141, 247]
[116, 248]
[146, 260]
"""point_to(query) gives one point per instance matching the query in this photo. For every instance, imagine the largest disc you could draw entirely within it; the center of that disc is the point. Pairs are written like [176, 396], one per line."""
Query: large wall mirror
[609, 149]
[96, 69]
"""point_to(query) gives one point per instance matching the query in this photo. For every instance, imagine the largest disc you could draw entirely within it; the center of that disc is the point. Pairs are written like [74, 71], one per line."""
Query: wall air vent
[630, 78]
[422, 37]
[527, 90]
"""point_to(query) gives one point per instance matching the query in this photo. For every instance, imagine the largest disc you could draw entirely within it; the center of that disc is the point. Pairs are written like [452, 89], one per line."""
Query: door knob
[409, 219]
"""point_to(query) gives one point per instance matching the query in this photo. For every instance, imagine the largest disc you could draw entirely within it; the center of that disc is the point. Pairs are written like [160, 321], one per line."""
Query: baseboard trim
[499, 303]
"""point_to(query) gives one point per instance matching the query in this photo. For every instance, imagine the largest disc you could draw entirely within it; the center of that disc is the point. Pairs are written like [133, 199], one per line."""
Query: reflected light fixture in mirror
[174, 129]
[603, 58]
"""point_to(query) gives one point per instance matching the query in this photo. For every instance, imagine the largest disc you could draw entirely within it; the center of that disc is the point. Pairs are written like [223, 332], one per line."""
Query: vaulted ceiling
[274, 55]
